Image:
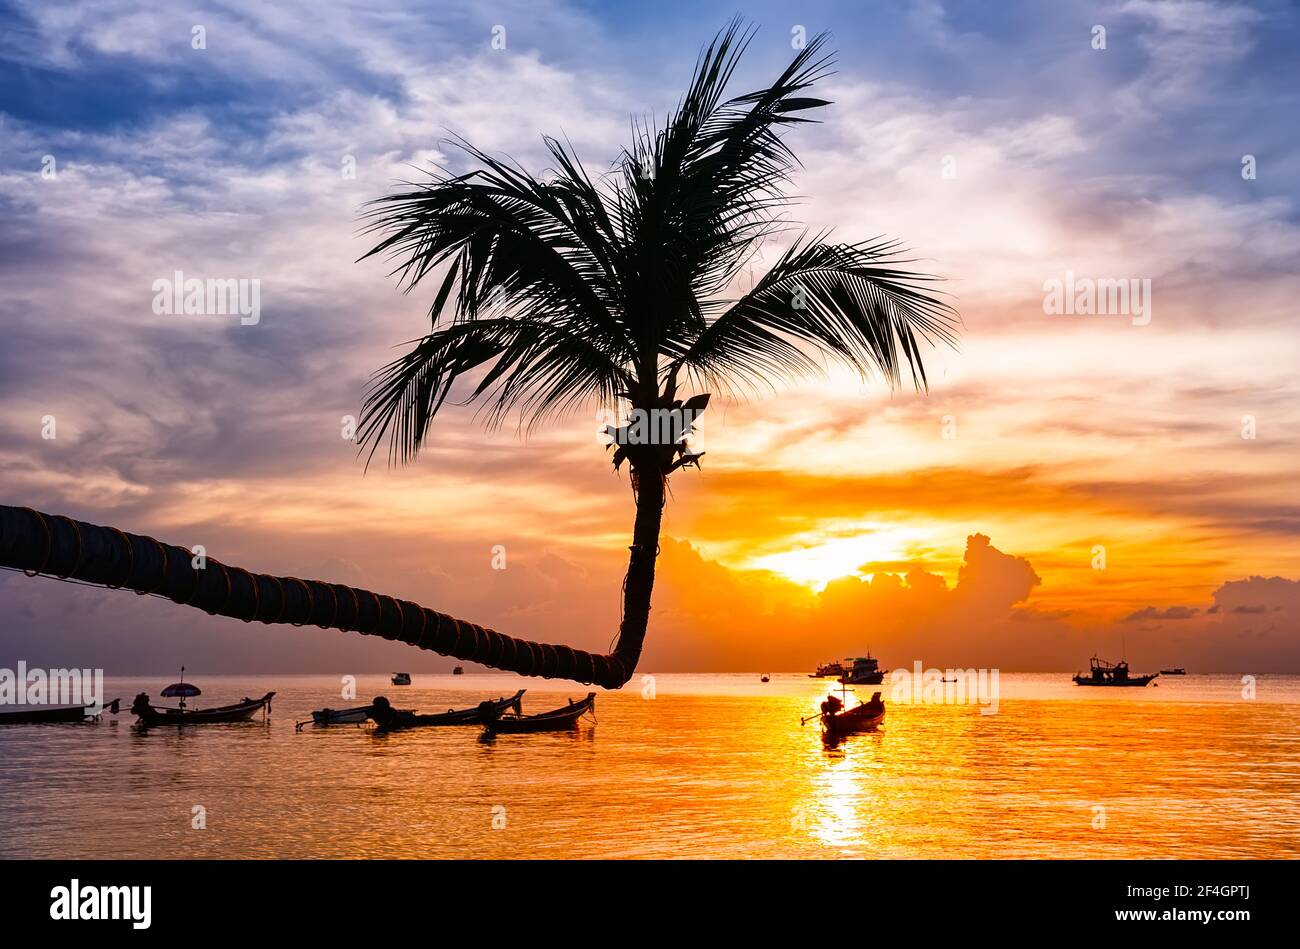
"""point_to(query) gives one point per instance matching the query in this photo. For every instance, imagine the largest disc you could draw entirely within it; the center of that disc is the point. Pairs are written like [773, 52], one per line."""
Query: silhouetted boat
[458, 671]
[401, 678]
[1176, 671]
[765, 678]
[863, 671]
[838, 721]
[343, 716]
[48, 714]
[834, 669]
[560, 719]
[161, 715]
[1104, 673]
[392, 719]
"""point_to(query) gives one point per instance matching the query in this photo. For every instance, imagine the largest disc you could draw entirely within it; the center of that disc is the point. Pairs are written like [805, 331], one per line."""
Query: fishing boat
[1105, 673]
[458, 671]
[560, 719]
[342, 716]
[838, 721]
[863, 670]
[828, 670]
[1175, 671]
[401, 678]
[48, 714]
[161, 715]
[392, 719]
[765, 678]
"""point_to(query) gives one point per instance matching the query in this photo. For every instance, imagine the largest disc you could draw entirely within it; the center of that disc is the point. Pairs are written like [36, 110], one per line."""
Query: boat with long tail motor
[51, 714]
[837, 721]
[390, 719]
[241, 711]
[560, 719]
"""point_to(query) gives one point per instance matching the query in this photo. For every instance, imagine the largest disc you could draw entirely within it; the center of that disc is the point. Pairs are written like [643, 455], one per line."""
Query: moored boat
[458, 671]
[161, 715]
[51, 714]
[838, 721]
[338, 716]
[1102, 672]
[863, 670]
[1175, 671]
[391, 719]
[560, 719]
[828, 670]
[401, 678]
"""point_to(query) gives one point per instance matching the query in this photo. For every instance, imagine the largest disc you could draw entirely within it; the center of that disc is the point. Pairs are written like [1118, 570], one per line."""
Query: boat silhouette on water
[838, 721]
[863, 670]
[391, 719]
[1175, 671]
[240, 711]
[344, 716]
[560, 719]
[1116, 674]
[149, 714]
[52, 714]
[401, 678]
[828, 670]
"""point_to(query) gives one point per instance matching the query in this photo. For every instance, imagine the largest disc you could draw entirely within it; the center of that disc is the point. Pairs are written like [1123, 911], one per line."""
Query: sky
[1070, 484]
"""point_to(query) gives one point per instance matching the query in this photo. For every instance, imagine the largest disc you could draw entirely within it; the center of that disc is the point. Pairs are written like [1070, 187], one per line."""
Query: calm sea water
[711, 766]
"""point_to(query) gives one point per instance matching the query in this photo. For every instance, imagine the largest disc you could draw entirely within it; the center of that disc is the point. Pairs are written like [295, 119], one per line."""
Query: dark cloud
[1171, 613]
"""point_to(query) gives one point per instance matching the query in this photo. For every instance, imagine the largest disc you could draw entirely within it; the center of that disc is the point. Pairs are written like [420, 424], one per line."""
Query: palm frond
[853, 302]
[558, 291]
[538, 367]
[698, 196]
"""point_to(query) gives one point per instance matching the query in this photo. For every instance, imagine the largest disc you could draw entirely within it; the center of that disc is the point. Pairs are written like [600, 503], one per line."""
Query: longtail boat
[161, 715]
[560, 719]
[1104, 673]
[339, 716]
[837, 721]
[37, 714]
[391, 719]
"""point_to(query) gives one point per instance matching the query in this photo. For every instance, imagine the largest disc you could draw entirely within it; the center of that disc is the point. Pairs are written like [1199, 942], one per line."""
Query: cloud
[227, 162]
[712, 617]
[1170, 613]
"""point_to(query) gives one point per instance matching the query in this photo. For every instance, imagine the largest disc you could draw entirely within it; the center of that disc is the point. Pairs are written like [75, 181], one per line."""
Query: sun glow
[817, 564]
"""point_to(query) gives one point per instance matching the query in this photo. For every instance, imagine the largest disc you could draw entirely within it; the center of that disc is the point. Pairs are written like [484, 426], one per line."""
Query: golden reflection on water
[713, 766]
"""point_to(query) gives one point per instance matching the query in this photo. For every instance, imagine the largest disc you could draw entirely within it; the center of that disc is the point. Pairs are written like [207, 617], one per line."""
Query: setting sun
[817, 564]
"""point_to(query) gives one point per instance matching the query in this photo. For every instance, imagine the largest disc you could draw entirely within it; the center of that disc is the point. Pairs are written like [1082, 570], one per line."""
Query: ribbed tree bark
[648, 484]
[40, 543]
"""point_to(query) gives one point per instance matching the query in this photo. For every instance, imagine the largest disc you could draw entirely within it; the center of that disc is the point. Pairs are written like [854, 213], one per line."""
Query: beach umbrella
[182, 690]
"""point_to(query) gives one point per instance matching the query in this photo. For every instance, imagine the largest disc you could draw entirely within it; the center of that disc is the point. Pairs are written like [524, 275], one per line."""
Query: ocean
[676, 766]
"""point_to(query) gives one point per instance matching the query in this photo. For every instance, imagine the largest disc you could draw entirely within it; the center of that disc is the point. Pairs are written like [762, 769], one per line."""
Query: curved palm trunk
[53, 544]
[648, 486]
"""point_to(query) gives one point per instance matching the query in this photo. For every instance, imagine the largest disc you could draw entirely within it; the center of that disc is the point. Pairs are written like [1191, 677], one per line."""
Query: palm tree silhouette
[564, 291]
[568, 291]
